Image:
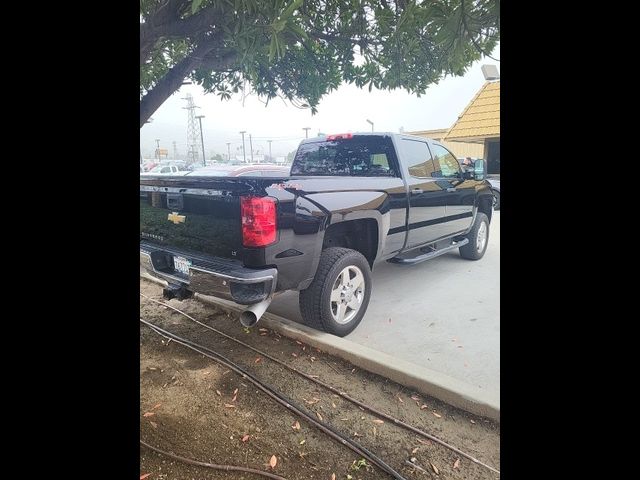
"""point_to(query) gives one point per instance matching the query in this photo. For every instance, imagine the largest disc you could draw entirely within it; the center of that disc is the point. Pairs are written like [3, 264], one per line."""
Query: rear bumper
[213, 276]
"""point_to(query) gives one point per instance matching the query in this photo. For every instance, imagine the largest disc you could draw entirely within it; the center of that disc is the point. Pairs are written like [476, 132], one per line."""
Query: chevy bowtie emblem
[175, 218]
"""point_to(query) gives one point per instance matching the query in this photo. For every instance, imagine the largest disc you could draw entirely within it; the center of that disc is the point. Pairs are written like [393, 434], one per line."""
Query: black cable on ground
[333, 389]
[226, 468]
[278, 397]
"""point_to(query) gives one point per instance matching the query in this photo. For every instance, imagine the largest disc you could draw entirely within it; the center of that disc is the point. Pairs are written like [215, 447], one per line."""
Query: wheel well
[486, 206]
[360, 235]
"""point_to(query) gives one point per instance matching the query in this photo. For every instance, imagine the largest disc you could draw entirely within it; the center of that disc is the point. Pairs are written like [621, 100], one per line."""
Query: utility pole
[244, 154]
[270, 157]
[175, 151]
[158, 149]
[192, 134]
[229, 151]
[251, 147]
[204, 158]
[306, 131]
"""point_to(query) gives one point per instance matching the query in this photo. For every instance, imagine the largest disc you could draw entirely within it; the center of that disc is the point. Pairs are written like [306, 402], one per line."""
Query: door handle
[416, 191]
[451, 190]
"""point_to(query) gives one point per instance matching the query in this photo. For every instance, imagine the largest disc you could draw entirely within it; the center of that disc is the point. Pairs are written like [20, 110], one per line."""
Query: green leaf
[195, 5]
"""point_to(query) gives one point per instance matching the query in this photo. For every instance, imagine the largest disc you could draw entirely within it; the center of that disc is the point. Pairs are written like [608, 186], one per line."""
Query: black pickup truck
[351, 201]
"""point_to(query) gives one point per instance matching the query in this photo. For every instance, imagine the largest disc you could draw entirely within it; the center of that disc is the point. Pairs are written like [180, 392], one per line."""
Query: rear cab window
[355, 156]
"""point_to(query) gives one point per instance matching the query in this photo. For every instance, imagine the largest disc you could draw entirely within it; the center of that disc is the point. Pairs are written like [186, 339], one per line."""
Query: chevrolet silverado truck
[350, 202]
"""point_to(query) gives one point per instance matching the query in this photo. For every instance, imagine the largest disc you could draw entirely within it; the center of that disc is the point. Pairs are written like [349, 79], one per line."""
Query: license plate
[181, 265]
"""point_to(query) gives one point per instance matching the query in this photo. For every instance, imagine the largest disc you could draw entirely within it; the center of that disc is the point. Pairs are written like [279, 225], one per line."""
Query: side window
[417, 156]
[165, 170]
[446, 165]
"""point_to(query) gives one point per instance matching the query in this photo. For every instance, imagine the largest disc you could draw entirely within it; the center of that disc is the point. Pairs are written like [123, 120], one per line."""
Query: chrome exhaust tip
[250, 316]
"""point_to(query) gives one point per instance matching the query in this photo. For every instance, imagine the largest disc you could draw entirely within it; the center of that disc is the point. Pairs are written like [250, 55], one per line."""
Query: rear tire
[478, 239]
[338, 296]
[496, 200]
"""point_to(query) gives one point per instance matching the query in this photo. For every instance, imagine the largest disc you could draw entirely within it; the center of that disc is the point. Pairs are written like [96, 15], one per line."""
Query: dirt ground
[196, 408]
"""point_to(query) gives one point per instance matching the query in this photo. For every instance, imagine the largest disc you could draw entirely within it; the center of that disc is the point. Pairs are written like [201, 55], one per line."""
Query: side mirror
[479, 169]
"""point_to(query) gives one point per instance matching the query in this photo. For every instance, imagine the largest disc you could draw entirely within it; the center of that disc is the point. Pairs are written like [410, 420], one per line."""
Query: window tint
[417, 156]
[165, 170]
[365, 156]
[251, 173]
[446, 164]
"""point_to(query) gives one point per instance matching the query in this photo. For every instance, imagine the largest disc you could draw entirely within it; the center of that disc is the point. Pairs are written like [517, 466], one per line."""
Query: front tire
[496, 200]
[478, 239]
[338, 297]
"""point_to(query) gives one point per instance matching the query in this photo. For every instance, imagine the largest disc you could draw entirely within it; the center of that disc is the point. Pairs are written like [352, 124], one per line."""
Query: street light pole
[306, 131]
[270, 157]
[369, 121]
[244, 154]
[251, 147]
[229, 151]
[158, 149]
[204, 159]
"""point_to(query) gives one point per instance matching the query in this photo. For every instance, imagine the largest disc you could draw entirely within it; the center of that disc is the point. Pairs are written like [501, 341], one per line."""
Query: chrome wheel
[347, 294]
[481, 239]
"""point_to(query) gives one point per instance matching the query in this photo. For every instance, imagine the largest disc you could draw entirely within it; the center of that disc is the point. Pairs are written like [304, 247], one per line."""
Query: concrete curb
[424, 380]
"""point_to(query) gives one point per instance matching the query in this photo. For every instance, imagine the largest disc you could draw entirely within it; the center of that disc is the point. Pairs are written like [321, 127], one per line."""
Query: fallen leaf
[319, 416]
[225, 372]
[245, 438]
[263, 330]
[456, 464]
[313, 359]
[377, 420]
[353, 370]
[401, 401]
[156, 406]
[234, 398]
[218, 392]
[356, 434]
[153, 424]
[294, 354]
[229, 406]
[296, 426]
[424, 442]
[258, 360]
[436, 415]
[273, 462]
[263, 334]
[148, 414]
[415, 450]
[435, 469]
[303, 441]
[413, 397]
[333, 476]
[472, 421]
[333, 405]
[235, 391]
[374, 431]
[424, 406]
[304, 348]
[313, 376]
[142, 477]
[299, 343]
[312, 401]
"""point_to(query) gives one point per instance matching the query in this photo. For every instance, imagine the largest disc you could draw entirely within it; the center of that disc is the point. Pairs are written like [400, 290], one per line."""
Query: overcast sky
[344, 110]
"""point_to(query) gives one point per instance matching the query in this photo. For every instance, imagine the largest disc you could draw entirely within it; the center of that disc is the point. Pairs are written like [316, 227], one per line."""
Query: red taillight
[340, 136]
[258, 221]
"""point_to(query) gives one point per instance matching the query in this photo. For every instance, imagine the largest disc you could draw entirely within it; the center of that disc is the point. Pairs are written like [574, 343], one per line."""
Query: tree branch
[172, 81]
[473, 40]
[151, 32]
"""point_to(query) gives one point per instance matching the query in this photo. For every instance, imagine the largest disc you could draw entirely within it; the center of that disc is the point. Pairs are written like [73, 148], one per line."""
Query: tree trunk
[165, 87]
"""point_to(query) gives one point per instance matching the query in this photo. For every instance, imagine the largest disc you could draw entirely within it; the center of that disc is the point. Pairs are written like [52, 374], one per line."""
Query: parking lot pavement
[443, 314]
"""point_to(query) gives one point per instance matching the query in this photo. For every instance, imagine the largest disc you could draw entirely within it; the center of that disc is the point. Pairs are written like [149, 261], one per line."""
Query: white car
[175, 170]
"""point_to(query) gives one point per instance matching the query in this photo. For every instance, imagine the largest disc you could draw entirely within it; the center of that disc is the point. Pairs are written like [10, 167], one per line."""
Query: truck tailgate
[199, 215]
